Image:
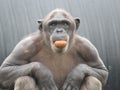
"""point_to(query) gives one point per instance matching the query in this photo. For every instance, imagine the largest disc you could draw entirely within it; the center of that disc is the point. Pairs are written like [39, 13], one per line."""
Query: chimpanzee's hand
[75, 78]
[43, 77]
[48, 84]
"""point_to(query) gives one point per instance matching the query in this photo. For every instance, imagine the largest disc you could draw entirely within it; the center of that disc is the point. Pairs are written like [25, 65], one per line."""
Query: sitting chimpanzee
[54, 58]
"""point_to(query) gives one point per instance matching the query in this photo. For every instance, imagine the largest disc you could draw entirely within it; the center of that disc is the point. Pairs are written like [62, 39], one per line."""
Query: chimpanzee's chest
[59, 64]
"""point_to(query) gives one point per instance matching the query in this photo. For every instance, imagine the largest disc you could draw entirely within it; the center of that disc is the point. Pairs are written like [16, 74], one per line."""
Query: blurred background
[100, 23]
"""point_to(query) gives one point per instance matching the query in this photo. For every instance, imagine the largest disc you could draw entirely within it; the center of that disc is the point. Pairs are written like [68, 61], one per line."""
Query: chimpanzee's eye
[65, 23]
[52, 24]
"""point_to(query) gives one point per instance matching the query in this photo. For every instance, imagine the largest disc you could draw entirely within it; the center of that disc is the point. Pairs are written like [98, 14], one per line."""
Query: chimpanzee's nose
[59, 30]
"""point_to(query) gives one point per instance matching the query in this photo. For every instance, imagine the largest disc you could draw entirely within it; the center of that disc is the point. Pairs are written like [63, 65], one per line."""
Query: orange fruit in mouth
[60, 43]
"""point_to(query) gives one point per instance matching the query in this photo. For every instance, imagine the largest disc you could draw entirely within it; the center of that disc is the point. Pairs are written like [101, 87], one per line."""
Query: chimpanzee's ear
[40, 21]
[77, 22]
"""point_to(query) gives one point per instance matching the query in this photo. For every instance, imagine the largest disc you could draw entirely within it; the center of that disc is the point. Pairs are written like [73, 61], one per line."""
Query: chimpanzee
[54, 58]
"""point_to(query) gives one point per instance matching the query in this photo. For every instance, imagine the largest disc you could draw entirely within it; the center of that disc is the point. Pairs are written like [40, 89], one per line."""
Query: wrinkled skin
[38, 63]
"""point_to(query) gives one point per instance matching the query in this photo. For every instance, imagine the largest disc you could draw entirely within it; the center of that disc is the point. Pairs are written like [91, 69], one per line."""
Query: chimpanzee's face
[58, 29]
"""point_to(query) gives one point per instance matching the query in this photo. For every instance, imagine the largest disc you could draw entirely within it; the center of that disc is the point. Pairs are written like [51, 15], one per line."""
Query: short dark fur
[36, 64]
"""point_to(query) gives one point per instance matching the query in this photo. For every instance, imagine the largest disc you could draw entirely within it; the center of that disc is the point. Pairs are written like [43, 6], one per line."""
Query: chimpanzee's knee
[25, 83]
[91, 83]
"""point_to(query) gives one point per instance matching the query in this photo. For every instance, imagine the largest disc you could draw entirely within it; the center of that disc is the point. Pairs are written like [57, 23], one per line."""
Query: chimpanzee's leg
[25, 83]
[91, 83]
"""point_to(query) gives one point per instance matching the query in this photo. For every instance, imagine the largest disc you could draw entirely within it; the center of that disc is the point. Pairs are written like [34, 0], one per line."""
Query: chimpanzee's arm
[17, 64]
[93, 66]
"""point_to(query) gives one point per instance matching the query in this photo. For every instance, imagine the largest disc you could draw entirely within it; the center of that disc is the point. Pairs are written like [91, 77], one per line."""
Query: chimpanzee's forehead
[59, 11]
[58, 14]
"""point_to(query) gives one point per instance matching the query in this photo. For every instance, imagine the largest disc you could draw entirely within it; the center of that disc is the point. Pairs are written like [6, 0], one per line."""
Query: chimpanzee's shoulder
[83, 42]
[30, 44]
[81, 39]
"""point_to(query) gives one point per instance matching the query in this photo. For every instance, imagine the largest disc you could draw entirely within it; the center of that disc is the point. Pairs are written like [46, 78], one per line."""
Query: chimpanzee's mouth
[60, 43]
[59, 40]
